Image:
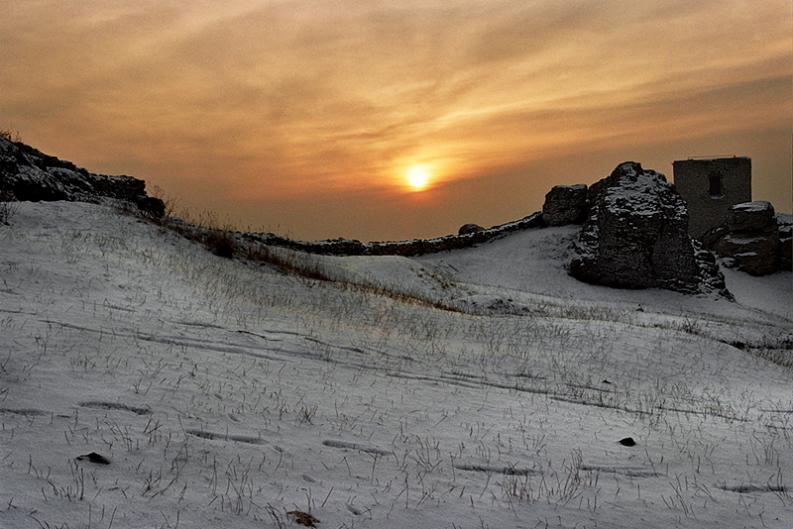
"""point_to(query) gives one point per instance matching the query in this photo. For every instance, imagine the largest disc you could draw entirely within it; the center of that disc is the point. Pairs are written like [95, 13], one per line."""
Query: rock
[753, 240]
[93, 457]
[565, 205]
[303, 518]
[627, 441]
[465, 229]
[31, 175]
[785, 251]
[752, 217]
[712, 236]
[636, 236]
[785, 223]
[711, 278]
[756, 255]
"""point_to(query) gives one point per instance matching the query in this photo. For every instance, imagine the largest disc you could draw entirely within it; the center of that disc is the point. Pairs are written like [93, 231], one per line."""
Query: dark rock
[785, 252]
[712, 236]
[565, 205]
[785, 223]
[32, 175]
[465, 229]
[627, 441]
[636, 236]
[93, 457]
[754, 255]
[151, 206]
[752, 217]
[710, 276]
[303, 518]
[753, 240]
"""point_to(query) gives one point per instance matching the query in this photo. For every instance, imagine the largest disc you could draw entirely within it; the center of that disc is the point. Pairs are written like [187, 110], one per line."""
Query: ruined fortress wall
[711, 187]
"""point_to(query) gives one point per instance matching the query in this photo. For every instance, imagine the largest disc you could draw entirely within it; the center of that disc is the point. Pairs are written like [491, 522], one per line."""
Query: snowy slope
[226, 394]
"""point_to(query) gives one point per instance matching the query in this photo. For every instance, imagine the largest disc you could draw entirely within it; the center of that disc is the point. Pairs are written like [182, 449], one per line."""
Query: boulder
[752, 239]
[752, 217]
[785, 223]
[31, 175]
[565, 205]
[465, 229]
[636, 236]
[756, 255]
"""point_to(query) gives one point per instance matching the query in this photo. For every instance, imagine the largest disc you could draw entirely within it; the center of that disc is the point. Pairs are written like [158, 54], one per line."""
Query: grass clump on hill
[7, 207]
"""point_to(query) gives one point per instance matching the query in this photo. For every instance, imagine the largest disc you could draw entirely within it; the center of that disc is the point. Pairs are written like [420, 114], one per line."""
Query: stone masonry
[710, 188]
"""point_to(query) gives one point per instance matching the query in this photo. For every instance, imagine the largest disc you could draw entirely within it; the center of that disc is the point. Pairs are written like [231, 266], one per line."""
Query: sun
[418, 177]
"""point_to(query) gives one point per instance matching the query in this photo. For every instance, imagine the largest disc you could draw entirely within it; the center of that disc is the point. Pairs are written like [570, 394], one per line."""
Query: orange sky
[305, 117]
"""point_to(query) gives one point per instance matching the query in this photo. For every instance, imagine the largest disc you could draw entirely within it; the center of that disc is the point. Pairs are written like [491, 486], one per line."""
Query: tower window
[715, 186]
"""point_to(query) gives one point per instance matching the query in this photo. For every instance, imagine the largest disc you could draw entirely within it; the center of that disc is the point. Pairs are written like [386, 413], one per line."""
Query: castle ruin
[711, 187]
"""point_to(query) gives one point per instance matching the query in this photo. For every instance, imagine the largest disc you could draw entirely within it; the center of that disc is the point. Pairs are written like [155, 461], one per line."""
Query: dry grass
[8, 207]
[11, 135]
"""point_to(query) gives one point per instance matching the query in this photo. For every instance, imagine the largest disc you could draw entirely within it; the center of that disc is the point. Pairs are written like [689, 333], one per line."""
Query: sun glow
[418, 177]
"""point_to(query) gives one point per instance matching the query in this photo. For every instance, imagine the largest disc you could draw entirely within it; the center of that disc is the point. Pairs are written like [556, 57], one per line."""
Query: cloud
[257, 102]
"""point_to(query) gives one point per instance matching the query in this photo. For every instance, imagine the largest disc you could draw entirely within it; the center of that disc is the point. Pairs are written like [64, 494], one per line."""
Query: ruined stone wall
[693, 180]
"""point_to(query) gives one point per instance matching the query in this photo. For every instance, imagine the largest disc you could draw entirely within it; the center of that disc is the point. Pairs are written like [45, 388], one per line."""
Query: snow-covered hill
[482, 387]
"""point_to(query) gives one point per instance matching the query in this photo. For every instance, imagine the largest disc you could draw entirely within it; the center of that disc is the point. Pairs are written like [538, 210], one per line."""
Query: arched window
[715, 185]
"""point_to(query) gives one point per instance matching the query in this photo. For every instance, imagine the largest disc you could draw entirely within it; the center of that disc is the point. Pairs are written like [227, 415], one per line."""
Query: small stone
[93, 457]
[303, 518]
[465, 229]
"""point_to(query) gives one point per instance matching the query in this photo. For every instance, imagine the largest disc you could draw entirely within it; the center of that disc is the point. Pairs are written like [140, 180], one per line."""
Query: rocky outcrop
[752, 239]
[636, 236]
[31, 175]
[565, 205]
[465, 229]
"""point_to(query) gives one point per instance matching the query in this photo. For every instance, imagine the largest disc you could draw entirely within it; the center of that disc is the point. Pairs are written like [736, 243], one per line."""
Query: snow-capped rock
[752, 217]
[752, 239]
[636, 236]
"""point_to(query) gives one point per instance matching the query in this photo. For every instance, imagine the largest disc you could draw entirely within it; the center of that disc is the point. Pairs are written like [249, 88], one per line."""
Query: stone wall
[404, 248]
[707, 209]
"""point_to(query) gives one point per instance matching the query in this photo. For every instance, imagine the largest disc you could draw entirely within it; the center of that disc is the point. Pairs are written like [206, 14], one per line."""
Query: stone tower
[711, 187]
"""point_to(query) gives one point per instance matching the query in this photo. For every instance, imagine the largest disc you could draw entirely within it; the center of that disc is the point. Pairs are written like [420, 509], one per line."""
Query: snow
[226, 394]
[756, 206]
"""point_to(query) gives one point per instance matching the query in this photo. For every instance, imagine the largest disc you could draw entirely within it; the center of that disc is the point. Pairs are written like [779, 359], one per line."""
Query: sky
[312, 118]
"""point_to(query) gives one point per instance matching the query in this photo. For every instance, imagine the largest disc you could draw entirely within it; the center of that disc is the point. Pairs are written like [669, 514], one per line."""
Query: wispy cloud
[268, 103]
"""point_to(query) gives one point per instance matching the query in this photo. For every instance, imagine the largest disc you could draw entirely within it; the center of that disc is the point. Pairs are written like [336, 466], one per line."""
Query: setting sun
[418, 177]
